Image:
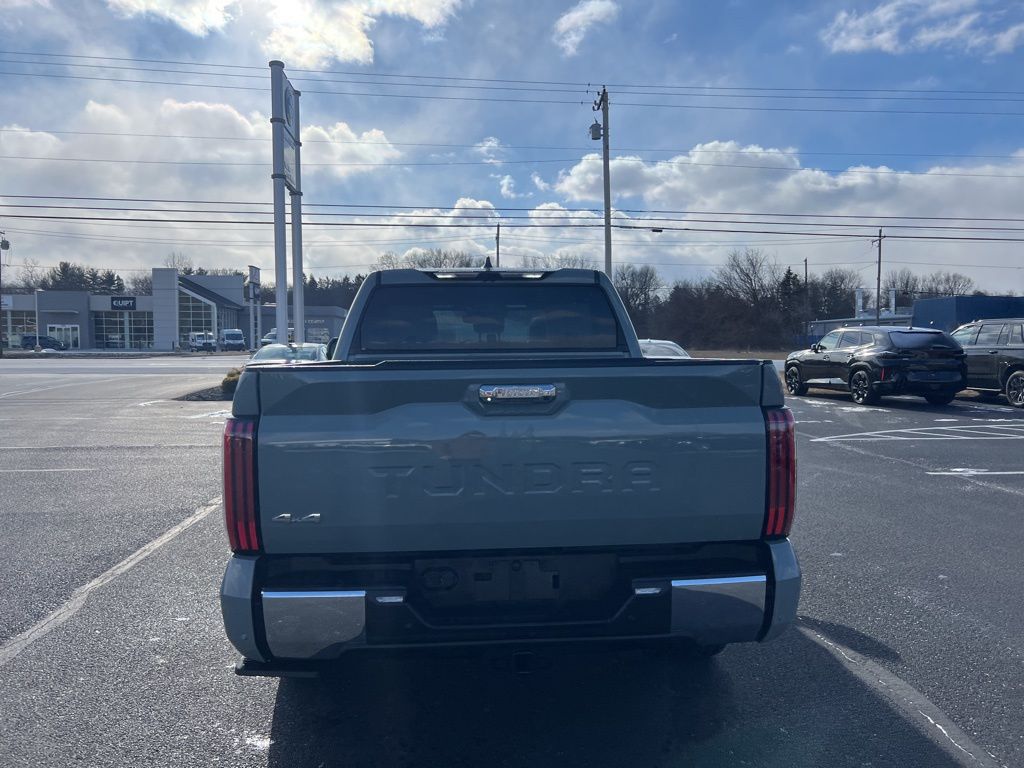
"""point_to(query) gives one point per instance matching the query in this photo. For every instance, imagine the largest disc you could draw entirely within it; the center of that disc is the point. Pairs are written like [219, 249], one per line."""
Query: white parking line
[914, 704]
[60, 469]
[972, 432]
[55, 386]
[965, 472]
[18, 643]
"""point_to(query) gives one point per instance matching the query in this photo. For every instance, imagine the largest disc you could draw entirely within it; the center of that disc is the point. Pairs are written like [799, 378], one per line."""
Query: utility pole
[497, 247]
[878, 282]
[601, 132]
[4, 245]
[807, 301]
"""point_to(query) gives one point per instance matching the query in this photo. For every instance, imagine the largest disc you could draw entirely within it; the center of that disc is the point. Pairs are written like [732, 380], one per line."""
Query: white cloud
[490, 149]
[303, 33]
[573, 25]
[507, 187]
[539, 182]
[198, 17]
[904, 26]
[775, 180]
[197, 169]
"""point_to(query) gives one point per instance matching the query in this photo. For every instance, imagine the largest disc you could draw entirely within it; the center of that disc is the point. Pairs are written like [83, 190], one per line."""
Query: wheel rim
[859, 386]
[1015, 389]
[793, 380]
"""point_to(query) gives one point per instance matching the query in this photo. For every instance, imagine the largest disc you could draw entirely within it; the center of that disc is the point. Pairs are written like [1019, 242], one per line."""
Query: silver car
[661, 348]
[290, 353]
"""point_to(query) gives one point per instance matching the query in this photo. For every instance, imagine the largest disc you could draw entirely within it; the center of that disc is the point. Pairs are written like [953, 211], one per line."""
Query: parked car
[871, 361]
[289, 353]
[661, 348]
[232, 338]
[995, 356]
[489, 459]
[201, 341]
[271, 337]
[45, 342]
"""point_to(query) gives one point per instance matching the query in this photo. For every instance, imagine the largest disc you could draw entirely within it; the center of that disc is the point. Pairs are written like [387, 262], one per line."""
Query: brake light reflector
[781, 495]
[240, 506]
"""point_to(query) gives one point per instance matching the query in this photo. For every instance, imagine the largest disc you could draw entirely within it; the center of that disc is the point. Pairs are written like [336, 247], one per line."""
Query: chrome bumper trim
[719, 610]
[301, 625]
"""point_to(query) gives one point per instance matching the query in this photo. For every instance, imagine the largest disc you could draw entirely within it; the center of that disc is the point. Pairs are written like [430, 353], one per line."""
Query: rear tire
[861, 390]
[1015, 389]
[794, 381]
[944, 399]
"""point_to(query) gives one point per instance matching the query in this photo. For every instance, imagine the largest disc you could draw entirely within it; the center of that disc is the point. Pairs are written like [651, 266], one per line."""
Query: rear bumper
[920, 382]
[304, 628]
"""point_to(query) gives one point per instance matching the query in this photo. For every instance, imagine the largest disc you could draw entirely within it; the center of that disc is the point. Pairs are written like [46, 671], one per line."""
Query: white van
[232, 338]
[201, 341]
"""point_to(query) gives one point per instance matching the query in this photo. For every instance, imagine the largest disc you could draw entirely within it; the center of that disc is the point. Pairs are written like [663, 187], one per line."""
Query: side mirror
[815, 347]
[331, 346]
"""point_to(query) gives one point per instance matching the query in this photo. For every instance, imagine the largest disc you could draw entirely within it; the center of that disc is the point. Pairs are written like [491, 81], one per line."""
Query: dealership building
[179, 305]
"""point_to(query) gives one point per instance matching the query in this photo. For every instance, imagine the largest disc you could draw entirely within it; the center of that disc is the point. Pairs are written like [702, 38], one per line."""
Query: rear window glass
[921, 340]
[488, 317]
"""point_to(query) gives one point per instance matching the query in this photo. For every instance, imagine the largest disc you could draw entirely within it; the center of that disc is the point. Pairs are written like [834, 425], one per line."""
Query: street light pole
[602, 133]
[497, 247]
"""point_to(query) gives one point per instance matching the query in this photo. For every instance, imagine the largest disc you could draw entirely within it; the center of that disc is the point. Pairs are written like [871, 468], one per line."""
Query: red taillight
[240, 508]
[781, 472]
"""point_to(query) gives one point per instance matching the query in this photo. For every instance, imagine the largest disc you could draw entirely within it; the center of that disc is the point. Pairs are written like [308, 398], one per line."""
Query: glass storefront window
[193, 315]
[14, 323]
[123, 330]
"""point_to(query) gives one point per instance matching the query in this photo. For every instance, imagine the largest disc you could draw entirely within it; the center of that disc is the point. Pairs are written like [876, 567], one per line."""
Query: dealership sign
[124, 303]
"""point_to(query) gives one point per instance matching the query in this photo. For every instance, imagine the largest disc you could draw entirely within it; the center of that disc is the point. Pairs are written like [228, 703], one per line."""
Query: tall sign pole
[254, 307]
[295, 187]
[277, 99]
[878, 281]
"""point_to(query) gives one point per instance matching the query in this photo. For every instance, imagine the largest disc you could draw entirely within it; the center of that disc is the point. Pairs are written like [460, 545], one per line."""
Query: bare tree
[638, 288]
[141, 284]
[433, 258]
[558, 261]
[750, 275]
[179, 261]
[30, 275]
[904, 282]
[947, 284]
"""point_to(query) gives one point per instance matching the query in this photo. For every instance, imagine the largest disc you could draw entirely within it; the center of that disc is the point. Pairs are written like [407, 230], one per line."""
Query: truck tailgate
[414, 458]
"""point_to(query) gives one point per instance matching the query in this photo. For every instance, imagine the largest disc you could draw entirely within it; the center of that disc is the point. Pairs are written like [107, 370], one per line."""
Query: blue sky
[938, 56]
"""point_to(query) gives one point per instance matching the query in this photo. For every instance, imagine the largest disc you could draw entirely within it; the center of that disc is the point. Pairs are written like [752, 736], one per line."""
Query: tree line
[748, 302]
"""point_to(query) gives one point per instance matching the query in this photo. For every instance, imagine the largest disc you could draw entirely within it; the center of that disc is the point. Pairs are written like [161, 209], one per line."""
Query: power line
[454, 225]
[592, 84]
[509, 99]
[533, 216]
[649, 90]
[478, 146]
[498, 164]
[427, 206]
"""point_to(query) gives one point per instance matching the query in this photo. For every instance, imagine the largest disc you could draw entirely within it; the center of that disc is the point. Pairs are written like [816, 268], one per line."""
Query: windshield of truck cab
[489, 317]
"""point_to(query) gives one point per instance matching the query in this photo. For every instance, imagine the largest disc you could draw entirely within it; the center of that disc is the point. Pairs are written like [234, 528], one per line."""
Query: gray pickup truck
[488, 458]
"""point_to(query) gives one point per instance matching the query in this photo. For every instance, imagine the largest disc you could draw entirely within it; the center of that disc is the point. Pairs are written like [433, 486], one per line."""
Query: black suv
[46, 342]
[995, 356]
[871, 361]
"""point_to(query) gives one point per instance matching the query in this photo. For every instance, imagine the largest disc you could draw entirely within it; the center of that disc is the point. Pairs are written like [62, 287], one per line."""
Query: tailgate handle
[490, 393]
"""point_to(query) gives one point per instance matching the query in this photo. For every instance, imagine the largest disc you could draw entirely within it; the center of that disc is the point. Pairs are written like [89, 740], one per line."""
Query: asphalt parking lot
[112, 653]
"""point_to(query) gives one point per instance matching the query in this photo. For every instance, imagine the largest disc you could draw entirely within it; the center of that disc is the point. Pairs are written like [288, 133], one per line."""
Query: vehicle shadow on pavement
[852, 638]
[785, 704]
[909, 402]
